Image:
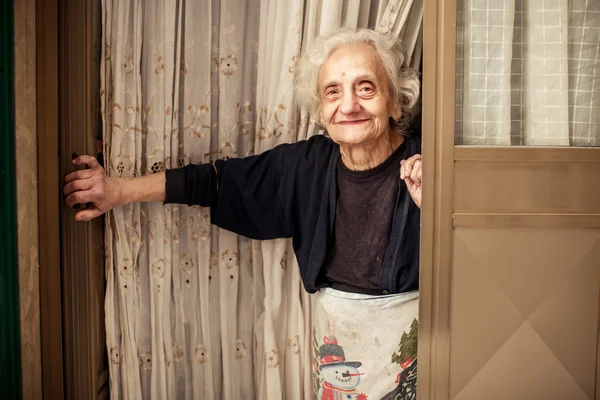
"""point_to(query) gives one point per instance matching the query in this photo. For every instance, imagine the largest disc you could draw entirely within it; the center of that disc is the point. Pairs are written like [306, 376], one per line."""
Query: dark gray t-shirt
[363, 220]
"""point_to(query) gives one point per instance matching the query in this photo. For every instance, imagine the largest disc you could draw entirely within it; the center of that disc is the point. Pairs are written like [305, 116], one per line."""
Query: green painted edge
[10, 336]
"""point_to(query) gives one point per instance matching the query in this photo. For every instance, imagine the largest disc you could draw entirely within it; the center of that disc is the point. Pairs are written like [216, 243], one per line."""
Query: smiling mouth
[355, 122]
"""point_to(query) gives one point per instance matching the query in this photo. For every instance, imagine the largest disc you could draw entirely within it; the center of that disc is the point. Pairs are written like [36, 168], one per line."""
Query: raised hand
[410, 172]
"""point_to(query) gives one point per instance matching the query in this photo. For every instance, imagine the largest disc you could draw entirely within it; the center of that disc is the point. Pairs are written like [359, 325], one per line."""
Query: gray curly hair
[403, 80]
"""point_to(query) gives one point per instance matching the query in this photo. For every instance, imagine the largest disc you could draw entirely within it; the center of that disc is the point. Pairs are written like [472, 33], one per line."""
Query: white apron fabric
[365, 347]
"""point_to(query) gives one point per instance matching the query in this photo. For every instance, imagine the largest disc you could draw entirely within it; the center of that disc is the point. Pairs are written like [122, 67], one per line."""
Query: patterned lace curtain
[192, 311]
[527, 72]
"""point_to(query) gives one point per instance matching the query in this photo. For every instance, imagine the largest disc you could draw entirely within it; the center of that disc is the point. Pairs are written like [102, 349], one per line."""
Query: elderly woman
[349, 199]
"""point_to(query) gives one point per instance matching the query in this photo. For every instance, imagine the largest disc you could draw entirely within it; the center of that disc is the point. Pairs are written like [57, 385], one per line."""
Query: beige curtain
[192, 311]
[527, 72]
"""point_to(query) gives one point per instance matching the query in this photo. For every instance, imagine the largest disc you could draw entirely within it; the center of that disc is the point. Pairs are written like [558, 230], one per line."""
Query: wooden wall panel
[27, 197]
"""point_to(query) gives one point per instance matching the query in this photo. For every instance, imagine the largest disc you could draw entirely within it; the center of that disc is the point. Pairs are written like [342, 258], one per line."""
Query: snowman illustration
[340, 377]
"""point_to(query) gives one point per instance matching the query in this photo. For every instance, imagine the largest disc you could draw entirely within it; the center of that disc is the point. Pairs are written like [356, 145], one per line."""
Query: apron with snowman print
[365, 347]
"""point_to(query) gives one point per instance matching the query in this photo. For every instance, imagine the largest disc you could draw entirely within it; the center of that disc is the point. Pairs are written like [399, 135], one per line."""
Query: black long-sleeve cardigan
[291, 191]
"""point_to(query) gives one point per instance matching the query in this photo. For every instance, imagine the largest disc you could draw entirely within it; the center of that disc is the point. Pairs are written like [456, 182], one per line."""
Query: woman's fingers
[80, 174]
[78, 184]
[90, 161]
[415, 174]
[82, 196]
[88, 214]
[407, 166]
[410, 172]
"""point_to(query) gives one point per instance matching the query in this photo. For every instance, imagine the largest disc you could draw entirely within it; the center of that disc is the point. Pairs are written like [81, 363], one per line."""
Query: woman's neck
[364, 156]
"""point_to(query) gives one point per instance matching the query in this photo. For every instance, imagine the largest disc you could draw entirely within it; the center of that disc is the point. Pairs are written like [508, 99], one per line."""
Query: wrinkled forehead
[351, 61]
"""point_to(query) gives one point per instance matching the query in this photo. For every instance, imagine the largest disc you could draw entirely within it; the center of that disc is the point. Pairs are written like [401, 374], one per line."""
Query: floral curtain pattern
[193, 311]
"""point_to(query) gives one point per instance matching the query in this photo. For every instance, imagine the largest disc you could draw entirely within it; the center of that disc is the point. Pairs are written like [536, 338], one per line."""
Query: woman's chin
[352, 137]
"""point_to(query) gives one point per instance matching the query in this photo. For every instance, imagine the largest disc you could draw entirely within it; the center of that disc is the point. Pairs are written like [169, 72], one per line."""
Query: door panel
[524, 313]
[527, 186]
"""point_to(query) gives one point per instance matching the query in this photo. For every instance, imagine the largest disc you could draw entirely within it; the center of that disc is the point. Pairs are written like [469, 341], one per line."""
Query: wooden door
[74, 356]
[510, 270]
[82, 243]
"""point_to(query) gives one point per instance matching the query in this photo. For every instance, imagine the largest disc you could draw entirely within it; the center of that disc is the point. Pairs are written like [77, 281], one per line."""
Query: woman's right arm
[243, 193]
[102, 193]
[255, 196]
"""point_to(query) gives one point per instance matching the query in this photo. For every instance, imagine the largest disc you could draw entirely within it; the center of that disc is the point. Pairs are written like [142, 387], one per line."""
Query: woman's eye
[331, 92]
[366, 89]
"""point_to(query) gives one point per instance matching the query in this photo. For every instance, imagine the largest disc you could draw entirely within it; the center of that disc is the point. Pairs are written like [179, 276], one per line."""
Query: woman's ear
[396, 112]
[320, 119]
[394, 108]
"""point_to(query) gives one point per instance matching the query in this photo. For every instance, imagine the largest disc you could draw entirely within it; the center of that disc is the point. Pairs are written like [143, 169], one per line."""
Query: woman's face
[355, 101]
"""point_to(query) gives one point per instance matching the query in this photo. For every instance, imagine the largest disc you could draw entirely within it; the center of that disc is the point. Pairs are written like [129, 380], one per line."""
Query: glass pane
[528, 72]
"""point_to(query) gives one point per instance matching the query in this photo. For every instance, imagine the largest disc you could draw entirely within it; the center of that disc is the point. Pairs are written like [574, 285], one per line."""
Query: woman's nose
[349, 103]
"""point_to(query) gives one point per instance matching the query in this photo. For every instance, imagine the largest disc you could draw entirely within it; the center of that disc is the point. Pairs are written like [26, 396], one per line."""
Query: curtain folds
[527, 72]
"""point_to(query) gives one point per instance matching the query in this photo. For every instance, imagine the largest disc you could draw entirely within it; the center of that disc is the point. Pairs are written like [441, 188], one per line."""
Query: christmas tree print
[407, 349]
[407, 358]
[317, 379]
